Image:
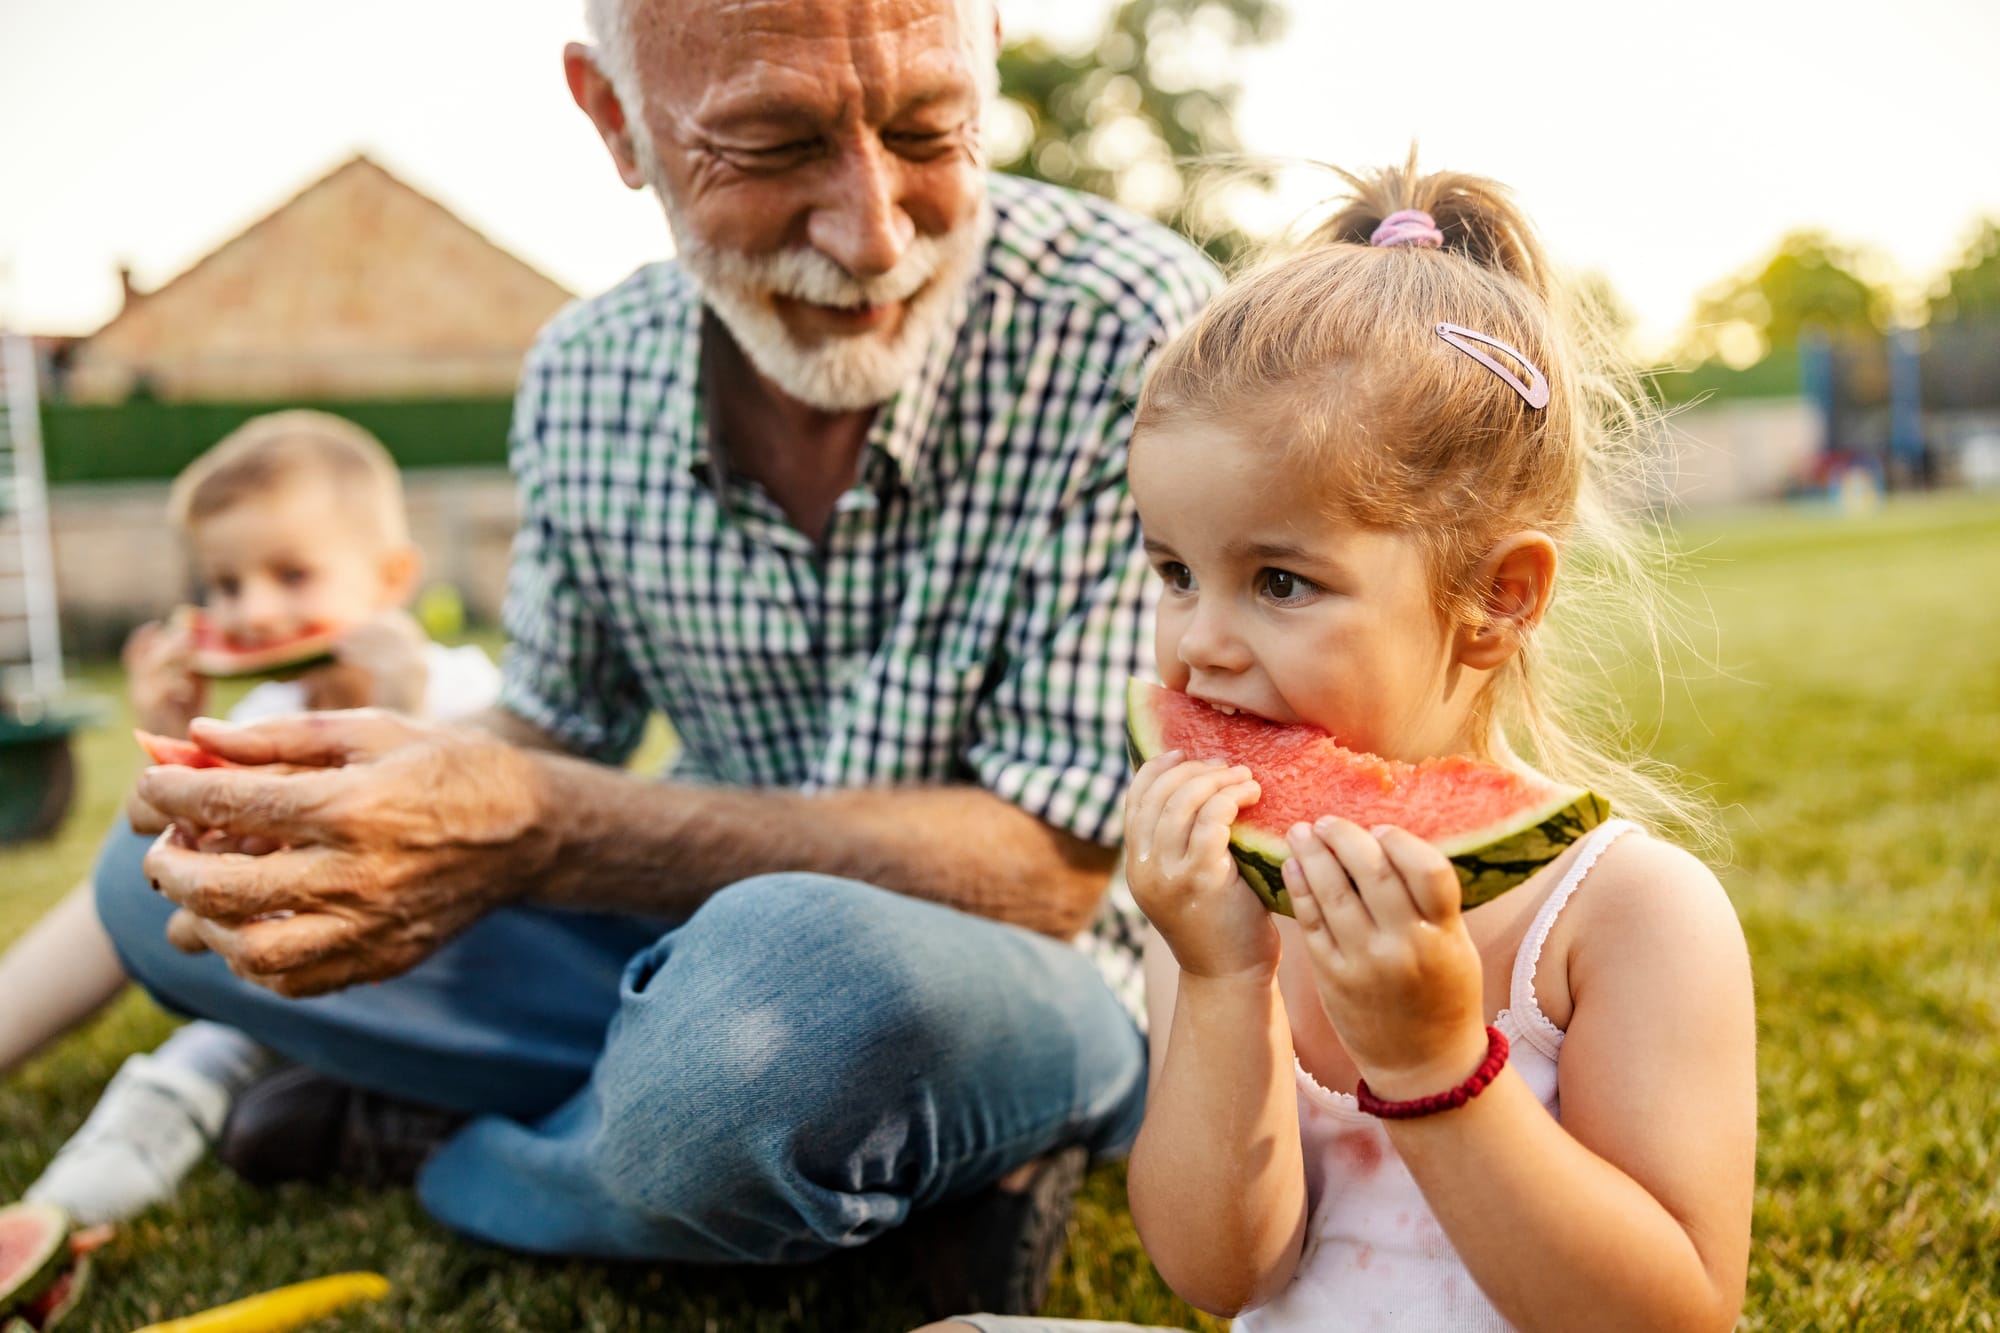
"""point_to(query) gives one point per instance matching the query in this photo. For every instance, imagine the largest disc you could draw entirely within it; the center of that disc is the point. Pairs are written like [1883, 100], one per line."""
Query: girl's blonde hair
[1331, 352]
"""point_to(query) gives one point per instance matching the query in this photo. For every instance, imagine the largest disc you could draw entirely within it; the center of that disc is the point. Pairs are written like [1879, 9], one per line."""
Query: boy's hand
[159, 677]
[1396, 970]
[1177, 818]
[378, 663]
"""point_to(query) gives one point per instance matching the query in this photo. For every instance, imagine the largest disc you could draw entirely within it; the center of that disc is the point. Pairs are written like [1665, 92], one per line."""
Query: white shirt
[463, 681]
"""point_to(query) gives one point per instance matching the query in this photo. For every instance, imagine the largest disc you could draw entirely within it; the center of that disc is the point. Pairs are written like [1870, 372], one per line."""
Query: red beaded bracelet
[1489, 1069]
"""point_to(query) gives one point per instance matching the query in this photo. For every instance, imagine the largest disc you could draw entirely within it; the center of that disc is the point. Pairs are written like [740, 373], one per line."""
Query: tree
[1972, 289]
[1128, 118]
[1810, 283]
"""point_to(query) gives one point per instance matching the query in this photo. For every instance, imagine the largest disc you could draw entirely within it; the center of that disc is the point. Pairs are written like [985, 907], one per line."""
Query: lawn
[1847, 725]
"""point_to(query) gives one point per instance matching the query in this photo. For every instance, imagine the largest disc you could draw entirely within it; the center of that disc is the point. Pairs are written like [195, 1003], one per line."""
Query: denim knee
[758, 1045]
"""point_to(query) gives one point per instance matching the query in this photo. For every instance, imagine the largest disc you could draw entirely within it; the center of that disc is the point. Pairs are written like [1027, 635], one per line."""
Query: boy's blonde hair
[1331, 353]
[280, 449]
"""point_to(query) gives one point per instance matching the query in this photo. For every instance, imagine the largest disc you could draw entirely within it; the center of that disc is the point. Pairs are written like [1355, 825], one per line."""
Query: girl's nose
[1210, 642]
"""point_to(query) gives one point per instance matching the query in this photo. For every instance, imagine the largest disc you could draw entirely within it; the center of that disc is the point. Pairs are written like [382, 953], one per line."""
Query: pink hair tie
[1409, 226]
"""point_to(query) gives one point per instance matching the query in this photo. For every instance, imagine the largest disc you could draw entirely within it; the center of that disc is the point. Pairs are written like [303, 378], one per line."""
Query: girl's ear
[1513, 584]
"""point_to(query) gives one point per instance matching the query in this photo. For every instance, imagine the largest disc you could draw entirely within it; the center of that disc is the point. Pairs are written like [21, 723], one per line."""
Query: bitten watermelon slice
[1498, 825]
[220, 658]
[33, 1251]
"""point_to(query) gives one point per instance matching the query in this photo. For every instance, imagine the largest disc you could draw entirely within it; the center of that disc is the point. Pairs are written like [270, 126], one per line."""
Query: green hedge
[1776, 376]
[147, 440]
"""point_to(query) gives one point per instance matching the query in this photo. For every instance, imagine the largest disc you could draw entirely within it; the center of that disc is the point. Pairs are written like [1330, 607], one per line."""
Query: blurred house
[358, 287]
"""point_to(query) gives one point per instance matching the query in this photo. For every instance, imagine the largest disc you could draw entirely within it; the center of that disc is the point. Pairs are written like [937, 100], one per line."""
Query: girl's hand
[1177, 818]
[166, 695]
[1396, 970]
[379, 663]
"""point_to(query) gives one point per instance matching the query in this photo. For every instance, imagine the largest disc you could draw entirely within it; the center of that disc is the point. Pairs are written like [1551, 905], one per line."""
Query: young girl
[1359, 476]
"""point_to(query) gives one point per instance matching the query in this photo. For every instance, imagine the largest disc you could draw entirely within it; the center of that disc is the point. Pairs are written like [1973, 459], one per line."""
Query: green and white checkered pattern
[980, 596]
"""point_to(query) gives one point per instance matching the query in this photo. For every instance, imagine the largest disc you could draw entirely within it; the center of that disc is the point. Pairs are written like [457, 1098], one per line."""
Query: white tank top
[1375, 1257]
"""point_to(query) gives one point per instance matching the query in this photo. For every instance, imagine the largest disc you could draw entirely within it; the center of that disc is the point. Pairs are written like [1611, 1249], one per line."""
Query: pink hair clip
[1535, 393]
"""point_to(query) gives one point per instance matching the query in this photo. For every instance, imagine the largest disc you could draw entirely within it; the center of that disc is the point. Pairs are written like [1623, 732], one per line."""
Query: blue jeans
[794, 1069]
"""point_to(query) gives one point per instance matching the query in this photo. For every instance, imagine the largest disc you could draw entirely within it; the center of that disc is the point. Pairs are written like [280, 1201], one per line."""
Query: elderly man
[842, 493]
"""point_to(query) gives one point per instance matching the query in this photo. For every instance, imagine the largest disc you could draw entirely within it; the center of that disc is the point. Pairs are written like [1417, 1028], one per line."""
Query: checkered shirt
[979, 598]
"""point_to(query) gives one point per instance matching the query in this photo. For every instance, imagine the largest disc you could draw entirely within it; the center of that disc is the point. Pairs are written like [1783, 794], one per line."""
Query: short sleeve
[564, 670]
[1049, 733]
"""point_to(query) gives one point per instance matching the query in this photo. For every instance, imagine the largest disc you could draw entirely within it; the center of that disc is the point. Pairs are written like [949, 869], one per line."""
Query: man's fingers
[230, 886]
[311, 740]
[273, 805]
[273, 948]
[184, 932]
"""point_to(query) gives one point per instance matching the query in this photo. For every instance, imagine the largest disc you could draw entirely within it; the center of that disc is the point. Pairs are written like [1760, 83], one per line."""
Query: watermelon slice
[1498, 825]
[33, 1252]
[219, 657]
[186, 754]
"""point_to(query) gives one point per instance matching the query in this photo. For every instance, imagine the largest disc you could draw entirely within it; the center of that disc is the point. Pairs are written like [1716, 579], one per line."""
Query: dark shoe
[298, 1124]
[995, 1252]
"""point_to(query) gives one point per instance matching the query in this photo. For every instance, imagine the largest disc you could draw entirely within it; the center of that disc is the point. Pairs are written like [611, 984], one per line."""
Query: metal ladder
[31, 674]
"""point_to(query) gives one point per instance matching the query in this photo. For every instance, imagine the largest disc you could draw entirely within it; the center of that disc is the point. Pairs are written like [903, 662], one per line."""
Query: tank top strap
[1527, 1011]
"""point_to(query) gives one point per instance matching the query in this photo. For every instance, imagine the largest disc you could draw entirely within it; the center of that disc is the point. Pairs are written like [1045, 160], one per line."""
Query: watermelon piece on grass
[1498, 825]
[34, 1251]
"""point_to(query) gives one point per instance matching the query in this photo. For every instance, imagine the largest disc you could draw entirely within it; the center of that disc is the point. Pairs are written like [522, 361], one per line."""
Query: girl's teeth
[1223, 708]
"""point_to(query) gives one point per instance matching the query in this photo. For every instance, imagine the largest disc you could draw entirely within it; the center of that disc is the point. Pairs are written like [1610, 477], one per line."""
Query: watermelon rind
[1488, 861]
[219, 660]
[43, 1314]
[282, 659]
[36, 1241]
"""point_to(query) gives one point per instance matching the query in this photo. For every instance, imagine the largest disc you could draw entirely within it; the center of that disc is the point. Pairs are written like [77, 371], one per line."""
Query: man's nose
[860, 224]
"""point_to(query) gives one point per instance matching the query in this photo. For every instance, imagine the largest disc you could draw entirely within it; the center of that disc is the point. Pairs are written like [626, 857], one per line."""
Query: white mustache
[807, 275]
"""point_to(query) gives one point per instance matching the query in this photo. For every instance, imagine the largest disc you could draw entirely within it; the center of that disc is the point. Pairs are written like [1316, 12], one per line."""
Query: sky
[1666, 147]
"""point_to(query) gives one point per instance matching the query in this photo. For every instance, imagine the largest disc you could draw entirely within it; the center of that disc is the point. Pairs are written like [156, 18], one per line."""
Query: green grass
[1852, 742]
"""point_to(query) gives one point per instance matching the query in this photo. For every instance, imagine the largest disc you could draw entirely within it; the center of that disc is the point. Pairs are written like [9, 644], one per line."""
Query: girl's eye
[228, 587]
[295, 578]
[1284, 586]
[1176, 575]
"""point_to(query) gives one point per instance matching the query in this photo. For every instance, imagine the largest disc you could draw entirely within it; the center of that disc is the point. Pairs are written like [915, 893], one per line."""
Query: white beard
[843, 373]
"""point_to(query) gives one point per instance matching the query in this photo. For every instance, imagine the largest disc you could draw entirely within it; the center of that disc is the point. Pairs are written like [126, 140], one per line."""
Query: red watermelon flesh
[1498, 825]
[33, 1251]
[186, 754]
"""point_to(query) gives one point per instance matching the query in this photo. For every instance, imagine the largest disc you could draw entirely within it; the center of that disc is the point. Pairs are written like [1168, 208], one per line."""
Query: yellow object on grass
[287, 1307]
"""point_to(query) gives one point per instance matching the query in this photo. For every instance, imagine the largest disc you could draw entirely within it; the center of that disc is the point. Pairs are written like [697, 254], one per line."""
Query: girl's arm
[1217, 1182]
[55, 976]
[1634, 1211]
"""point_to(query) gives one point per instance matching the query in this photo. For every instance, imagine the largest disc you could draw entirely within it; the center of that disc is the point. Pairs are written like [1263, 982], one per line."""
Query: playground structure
[1917, 409]
[37, 767]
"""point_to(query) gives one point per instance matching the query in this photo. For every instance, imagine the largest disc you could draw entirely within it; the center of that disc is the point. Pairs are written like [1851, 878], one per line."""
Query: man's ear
[596, 98]
[401, 568]
[1513, 584]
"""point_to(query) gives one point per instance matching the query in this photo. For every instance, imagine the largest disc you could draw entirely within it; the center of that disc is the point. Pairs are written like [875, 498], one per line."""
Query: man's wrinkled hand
[373, 841]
